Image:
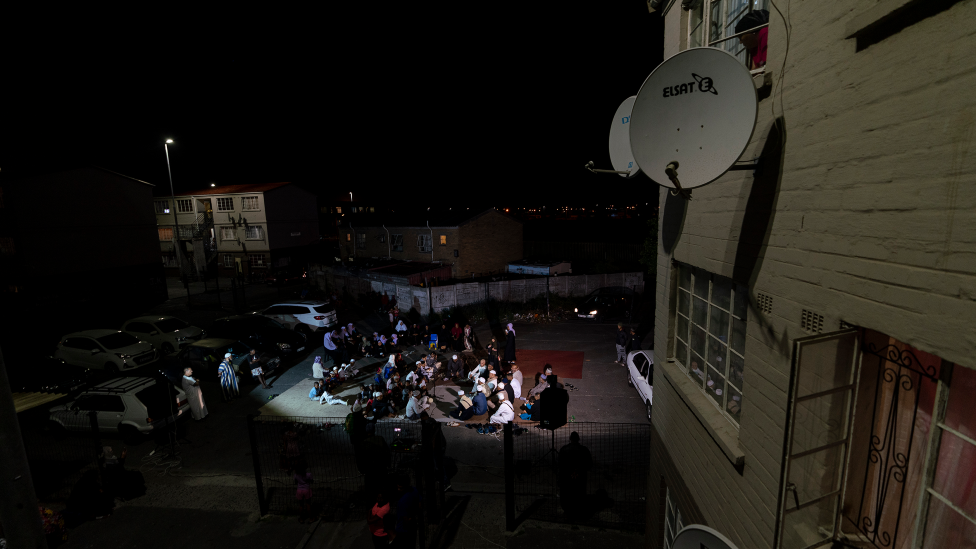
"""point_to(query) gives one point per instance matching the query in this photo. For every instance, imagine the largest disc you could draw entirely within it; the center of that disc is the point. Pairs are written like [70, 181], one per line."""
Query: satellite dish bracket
[589, 166]
[755, 164]
[672, 172]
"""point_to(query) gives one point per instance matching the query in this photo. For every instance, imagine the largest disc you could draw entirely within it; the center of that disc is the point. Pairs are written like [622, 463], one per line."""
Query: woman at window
[754, 42]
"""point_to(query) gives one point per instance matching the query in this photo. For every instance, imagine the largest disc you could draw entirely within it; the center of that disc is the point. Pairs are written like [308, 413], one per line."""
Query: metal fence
[59, 457]
[340, 484]
[612, 489]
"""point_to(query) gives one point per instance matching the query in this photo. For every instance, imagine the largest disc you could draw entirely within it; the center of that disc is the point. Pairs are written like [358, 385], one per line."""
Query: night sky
[459, 104]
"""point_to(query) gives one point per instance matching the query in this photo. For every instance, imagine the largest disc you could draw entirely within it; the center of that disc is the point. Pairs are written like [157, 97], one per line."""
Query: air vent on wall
[811, 322]
[765, 303]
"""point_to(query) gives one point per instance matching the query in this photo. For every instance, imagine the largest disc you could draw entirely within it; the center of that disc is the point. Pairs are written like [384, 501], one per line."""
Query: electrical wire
[481, 536]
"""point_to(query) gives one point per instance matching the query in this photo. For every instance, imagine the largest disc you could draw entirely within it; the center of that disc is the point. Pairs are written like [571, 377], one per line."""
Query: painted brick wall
[874, 223]
[488, 243]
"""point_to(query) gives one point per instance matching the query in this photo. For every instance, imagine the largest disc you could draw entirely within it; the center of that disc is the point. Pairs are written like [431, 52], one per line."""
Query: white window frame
[722, 371]
[248, 200]
[228, 261]
[713, 15]
[361, 241]
[227, 233]
[184, 205]
[254, 232]
[161, 206]
[396, 242]
[671, 527]
[225, 201]
[424, 243]
[255, 260]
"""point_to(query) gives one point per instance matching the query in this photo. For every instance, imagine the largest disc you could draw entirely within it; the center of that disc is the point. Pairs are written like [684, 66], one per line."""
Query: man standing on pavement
[621, 341]
[635, 340]
[191, 386]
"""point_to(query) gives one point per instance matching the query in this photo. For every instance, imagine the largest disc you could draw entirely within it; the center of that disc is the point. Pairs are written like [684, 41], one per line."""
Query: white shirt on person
[505, 413]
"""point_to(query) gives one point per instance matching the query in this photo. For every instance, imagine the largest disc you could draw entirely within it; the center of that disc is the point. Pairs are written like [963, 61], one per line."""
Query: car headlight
[284, 346]
[575, 309]
[120, 355]
[593, 313]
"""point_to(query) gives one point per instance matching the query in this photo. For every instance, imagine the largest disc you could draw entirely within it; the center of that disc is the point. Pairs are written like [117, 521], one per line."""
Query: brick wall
[488, 243]
[411, 252]
[873, 222]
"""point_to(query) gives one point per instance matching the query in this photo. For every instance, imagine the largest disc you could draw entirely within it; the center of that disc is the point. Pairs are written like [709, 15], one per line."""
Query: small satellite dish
[697, 110]
[696, 536]
[620, 155]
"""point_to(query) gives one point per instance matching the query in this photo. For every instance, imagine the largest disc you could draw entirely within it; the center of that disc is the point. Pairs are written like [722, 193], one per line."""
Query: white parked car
[166, 333]
[302, 316]
[110, 350]
[640, 375]
[130, 406]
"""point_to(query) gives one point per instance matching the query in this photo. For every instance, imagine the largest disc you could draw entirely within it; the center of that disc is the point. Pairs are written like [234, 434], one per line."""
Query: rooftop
[237, 189]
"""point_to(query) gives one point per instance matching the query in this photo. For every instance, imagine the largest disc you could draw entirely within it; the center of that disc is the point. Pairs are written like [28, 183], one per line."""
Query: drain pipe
[431, 241]
[389, 248]
[353, 240]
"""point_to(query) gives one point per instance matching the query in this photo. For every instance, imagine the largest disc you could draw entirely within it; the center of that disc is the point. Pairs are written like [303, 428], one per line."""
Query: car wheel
[129, 434]
[111, 368]
[166, 348]
[648, 411]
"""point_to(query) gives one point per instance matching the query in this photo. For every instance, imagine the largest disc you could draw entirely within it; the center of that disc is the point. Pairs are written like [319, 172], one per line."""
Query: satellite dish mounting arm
[672, 173]
[589, 166]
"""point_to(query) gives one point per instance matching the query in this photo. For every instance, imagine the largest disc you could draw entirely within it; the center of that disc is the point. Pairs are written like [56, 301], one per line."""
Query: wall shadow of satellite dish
[760, 207]
[673, 222]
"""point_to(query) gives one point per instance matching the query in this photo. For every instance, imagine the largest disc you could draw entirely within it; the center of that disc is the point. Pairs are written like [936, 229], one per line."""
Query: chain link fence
[556, 482]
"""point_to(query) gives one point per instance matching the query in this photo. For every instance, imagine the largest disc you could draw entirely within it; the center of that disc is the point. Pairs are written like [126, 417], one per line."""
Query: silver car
[111, 350]
[166, 333]
[306, 316]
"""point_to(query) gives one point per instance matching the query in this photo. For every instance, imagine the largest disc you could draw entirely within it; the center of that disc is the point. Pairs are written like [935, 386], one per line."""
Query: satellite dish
[620, 154]
[696, 536]
[697, 110]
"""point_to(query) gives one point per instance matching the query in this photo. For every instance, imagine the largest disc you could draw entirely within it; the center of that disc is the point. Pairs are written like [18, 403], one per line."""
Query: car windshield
[324, 309]
[117, 340]
[171, 325]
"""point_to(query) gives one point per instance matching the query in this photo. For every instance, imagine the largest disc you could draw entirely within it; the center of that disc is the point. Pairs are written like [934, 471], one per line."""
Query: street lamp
[350, 196]
[176, 221]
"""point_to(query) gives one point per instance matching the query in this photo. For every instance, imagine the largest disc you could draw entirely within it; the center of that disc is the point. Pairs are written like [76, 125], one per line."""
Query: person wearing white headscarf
[510, 343]
[318, 372]
[401, 327]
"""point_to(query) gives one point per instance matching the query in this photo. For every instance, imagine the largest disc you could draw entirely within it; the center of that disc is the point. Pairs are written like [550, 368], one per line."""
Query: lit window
[443, 240]
[249, 203]
[229, 260]
[710, 335]
[338, 209]
[348, 237]
[227, 233]
[255, 232]
[162, 206]
[225, 204]
[165, 234]
[184, 205]
[255, 260]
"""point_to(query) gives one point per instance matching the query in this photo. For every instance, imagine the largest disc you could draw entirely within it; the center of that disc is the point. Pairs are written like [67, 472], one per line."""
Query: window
[372, 209]
[396, 242]
[361, 240]
[184, 205]
[139, 327]
[186, 233]
[424, 243]
[672, 519]
[718, 18]
[382, 238]
[249, 203]
[255, 260]
[100, 403]
[443, 240]
[225, 204]
[348, 237]
[227, 233]
[162, 206]
[169, 259]
[338, 209]
[165, 234]
[229, 261]
[255, 232]
[710, 336]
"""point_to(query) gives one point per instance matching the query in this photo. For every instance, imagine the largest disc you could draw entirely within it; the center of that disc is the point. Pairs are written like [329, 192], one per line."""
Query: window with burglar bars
[361, 241]
[184, 205]
[710, 336]
[225, 204]
[165, 234]
[162, 206]
[712, 22]
[227, 233]
[255, 260]
[672, 520]
[424, 243]
[255, 232]
[396, 242]
[229, 260]
[249, 203]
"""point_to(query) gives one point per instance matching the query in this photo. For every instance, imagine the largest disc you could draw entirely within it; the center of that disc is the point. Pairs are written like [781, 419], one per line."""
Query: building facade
[237, 229]
[813, 331]
[473, 244]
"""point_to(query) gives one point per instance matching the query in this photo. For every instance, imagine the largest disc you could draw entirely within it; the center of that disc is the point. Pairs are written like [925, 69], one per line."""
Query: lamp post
[176, 222]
